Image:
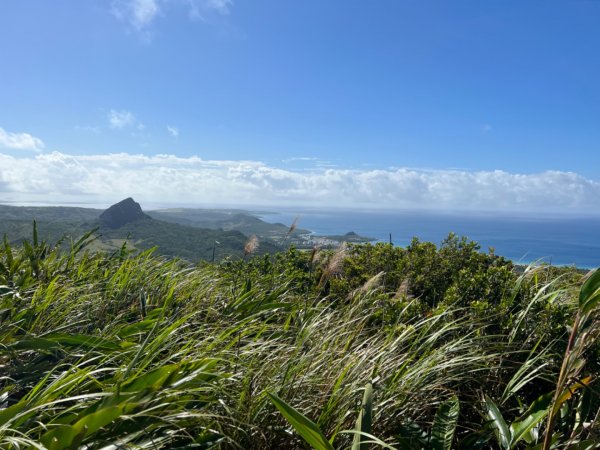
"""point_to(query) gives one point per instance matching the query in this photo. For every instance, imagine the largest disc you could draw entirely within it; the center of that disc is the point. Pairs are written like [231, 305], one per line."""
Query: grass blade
[305, 427]
[363, 423]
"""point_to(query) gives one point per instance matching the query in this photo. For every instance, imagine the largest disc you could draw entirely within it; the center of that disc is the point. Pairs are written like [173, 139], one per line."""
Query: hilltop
[122, 213]
[192, 234]
[125, 222]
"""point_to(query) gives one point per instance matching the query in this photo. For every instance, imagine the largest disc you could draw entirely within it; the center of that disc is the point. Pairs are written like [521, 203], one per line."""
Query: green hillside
[188, 233]
[175, 240]
[48, 213]
[248, 223]
[225, 219]
[172, 239]
[421, 347]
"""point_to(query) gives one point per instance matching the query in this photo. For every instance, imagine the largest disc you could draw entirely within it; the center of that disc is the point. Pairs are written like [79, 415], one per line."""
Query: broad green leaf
[363, 423]
[303, 426]
[7, 414]
[444, 424]
[151, 380]
[499, 423]
[57, 341]
[536, 413]
[589, 295]
[93, 422]
[173, 375]
[59, 438]
[34, 343]
[81, 340]
[144, 325]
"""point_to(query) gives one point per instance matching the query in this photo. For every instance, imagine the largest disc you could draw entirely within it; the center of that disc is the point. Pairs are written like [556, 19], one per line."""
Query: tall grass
[135, 351]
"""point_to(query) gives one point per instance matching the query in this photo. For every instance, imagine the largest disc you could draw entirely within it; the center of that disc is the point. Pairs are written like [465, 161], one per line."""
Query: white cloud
[221, 6]
[20, 141]
[199, 8]
[141, 14]
[172, 179]
[121, 119]
[138, 13]
[173, 131]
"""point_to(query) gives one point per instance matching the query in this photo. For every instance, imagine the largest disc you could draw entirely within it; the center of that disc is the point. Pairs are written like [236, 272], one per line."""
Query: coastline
[562, 241]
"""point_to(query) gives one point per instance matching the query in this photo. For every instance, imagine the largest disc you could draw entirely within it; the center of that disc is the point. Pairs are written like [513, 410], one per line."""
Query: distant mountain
[124, 212]
[125, 222]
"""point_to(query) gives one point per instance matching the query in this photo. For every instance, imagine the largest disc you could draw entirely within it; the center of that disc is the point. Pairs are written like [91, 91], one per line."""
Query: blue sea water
[558, 240]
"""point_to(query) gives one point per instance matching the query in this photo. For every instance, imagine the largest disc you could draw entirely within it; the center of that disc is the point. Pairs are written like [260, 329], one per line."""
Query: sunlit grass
[136, 351]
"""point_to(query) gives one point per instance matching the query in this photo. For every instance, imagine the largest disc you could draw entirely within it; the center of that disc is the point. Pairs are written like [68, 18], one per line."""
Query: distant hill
[248, 223]
[122, 213]
[48, 213]
[182, 241]
[226, 219]
[125, 222]
[192, 234]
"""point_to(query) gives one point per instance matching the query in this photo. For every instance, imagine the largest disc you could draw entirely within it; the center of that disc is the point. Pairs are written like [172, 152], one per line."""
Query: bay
[523, 238]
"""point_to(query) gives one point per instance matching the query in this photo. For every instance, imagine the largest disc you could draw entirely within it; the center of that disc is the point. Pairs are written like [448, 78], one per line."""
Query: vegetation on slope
[191, 244]
[186, 233]
[139, 230]
[421, 347]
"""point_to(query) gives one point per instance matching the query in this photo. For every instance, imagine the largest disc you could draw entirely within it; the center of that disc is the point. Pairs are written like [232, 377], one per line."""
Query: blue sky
[392, 103]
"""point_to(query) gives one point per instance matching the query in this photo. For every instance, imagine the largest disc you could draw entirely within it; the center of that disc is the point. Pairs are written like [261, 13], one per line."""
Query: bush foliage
[364, 346]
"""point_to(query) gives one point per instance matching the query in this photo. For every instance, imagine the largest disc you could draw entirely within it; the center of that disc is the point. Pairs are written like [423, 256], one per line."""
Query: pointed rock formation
[119, 214]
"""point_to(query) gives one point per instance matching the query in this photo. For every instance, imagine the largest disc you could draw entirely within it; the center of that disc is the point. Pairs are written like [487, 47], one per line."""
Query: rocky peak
[119, 214]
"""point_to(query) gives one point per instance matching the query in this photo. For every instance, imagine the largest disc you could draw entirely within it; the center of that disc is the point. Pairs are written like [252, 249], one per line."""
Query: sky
[471, 105]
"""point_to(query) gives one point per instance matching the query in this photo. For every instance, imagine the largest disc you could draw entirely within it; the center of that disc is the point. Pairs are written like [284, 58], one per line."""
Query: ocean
[557, 240]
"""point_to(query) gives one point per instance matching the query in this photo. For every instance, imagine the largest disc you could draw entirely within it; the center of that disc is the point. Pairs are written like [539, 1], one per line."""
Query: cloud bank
[20, 141]
[168, 179]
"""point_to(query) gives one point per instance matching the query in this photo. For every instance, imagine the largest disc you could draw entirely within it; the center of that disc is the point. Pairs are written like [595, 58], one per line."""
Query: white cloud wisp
[120, 119]
[170, 179]
[141, 14]
[20, 141]
[173, 131]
